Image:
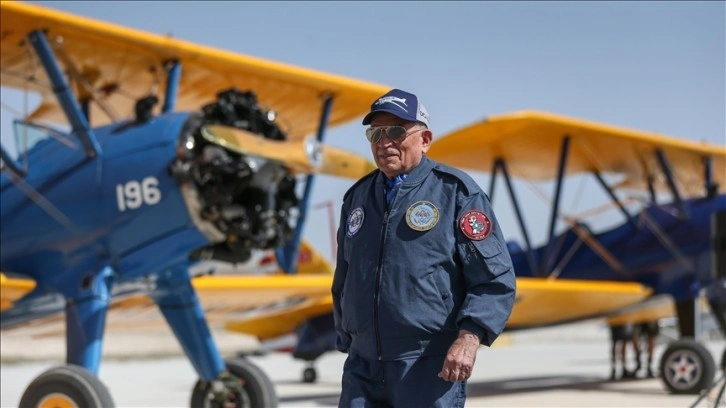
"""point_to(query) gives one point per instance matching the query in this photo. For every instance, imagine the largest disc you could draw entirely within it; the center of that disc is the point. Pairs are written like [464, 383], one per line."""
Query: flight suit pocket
[491, 251]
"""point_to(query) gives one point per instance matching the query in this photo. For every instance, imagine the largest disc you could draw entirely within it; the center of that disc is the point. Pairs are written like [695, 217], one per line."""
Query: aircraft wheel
[309, 375]
[687, 367]
[66, 386]
[256, 388]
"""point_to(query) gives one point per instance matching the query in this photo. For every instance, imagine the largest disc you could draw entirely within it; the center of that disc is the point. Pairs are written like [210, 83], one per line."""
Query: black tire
[71, 384]
[257, 392]
[310, 374]
[687, 367]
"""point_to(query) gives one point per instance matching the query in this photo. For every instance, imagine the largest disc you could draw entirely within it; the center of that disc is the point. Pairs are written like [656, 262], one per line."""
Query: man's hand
[460, 359]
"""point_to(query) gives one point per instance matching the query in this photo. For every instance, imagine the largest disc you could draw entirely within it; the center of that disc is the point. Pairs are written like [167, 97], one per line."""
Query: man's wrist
[468, 326]
[470, 336]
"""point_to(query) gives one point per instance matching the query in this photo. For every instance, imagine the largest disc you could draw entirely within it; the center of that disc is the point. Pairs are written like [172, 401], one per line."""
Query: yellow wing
[223, 298]
[652, 310]
[273, 305]
[542, 302]
[120, 65]
[530, 143]
[12, 290]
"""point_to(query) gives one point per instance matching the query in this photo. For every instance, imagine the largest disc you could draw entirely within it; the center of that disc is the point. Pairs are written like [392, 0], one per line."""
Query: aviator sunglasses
[395, 133]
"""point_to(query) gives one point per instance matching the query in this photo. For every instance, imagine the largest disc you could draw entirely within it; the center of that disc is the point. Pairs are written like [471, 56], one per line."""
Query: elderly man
[423, 275]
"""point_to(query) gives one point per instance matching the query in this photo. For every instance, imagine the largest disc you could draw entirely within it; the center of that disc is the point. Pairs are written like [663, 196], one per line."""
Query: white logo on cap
[394, 100]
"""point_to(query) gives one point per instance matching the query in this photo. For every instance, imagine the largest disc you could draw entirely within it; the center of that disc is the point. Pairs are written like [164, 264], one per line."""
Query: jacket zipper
[377, 291]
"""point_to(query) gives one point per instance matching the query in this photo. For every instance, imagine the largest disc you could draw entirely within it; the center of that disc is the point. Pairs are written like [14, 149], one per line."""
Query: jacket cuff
[342, 343]
[468, 324]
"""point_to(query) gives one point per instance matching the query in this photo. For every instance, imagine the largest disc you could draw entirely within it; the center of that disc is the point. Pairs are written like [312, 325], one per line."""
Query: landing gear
[246, 385]
[687, 367]
[310, 374]
[66, 386]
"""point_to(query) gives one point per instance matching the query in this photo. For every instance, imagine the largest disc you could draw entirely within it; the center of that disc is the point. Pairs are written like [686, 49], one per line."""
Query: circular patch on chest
[355, 221]
[422, 216]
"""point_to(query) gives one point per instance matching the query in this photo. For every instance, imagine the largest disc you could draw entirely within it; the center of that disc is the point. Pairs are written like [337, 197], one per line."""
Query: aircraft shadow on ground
[507, 386]
[322, 399]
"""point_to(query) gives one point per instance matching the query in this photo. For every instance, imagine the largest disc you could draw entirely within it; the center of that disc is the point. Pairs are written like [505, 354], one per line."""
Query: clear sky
[654, 66]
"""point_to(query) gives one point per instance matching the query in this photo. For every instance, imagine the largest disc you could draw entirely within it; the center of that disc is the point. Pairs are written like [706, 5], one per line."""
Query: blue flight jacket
[410, 274]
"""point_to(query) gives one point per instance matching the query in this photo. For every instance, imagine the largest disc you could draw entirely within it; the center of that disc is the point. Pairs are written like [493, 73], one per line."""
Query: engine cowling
[240, 202]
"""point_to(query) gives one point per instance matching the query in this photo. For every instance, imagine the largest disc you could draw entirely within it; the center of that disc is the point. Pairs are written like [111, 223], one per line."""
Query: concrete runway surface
[555, 367]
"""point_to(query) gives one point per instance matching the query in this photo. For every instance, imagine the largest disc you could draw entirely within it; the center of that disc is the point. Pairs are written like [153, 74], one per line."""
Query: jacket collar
[415, 176]
[418, 173]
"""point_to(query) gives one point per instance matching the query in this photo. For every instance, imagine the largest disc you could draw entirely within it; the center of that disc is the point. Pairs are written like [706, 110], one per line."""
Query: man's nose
[385, 140]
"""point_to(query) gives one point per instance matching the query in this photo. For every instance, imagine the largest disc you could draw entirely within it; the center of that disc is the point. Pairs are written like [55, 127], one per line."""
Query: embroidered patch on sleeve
[475, 225]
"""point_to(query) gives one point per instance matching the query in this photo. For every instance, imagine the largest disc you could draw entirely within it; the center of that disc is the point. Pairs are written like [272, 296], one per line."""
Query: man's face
[394, 158]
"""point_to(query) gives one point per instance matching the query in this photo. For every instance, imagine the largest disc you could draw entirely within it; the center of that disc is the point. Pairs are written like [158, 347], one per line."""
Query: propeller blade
[342, 163]
[299, 155]
[304, 156]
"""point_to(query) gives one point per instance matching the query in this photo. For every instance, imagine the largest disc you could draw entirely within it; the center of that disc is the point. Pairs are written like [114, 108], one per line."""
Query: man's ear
[427, 138]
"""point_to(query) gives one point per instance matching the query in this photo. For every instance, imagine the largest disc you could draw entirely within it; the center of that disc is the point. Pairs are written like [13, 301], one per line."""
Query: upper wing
[530, 143]
[120, 65]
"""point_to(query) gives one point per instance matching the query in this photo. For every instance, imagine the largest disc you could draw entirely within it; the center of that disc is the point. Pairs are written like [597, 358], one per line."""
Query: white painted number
[133, 194]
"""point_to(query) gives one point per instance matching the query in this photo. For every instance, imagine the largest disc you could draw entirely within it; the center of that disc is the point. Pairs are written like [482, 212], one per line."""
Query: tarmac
[565, 366]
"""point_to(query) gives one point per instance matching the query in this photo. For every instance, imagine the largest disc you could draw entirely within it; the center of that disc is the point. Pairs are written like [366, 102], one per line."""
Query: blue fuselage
[75, 214]
[665, 253]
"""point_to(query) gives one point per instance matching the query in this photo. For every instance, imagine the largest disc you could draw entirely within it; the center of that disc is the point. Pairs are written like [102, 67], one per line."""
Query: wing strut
[173, 69]
[287, 255]
[711, 187]
[556, 206]
[530, 255]
[493, 181]
[64, 94]
[666, 167]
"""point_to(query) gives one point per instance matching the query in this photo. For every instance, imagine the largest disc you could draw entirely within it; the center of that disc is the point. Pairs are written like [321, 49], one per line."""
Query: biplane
[654, 264]
[147, 155]
[672, 240]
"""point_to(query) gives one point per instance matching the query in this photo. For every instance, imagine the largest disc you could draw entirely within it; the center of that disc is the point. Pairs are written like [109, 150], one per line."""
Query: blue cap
[401, 104]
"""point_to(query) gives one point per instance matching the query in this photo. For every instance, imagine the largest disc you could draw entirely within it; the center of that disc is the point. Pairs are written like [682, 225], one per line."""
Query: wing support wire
[615, 199]
[87, 87]
[10, 163]
[585, 235]
[288, 254]
[64, 94]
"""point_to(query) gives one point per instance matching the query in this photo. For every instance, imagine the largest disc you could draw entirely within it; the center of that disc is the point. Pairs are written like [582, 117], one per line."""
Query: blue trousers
[396, 384]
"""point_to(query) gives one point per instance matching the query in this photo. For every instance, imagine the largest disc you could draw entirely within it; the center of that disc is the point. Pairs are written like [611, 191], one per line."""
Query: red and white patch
[475, 225]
